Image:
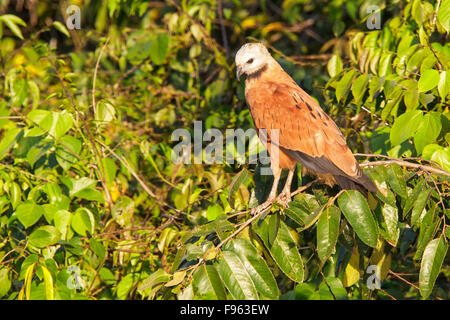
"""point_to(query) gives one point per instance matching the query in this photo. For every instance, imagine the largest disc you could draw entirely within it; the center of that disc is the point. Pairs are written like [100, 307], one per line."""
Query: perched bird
[304, 132]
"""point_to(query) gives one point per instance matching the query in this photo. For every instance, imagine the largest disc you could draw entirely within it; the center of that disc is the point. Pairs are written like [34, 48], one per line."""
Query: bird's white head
[251, 58]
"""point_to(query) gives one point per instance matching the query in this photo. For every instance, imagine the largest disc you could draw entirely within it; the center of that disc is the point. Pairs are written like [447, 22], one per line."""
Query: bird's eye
[250, 61]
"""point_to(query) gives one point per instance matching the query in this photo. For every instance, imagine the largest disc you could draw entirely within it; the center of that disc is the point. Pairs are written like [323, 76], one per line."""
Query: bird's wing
[306, 132]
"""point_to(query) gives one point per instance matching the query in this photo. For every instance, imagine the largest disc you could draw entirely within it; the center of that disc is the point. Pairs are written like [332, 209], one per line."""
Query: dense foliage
[92, 207]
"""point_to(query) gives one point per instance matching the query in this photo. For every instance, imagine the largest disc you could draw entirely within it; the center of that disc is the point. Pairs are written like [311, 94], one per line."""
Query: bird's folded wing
[305, 131]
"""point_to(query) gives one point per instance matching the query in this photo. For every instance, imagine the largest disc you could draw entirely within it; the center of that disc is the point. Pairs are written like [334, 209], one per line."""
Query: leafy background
[92, 207]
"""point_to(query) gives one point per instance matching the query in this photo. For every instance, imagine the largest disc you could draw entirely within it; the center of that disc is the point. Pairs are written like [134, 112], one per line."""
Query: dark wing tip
[323, 165]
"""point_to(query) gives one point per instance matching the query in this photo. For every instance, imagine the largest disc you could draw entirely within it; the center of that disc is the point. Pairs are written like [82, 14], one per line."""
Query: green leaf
[159, 48]
[110, 169]
[44, 236]
[332, 288]
[343, 86]
[5, 281]
[359, 87]
[55, 123]
[8, 140]
[61, 28]
[15, 195]
[98, 248]
[238, 179]
[48, 284]
[283, 250]
[327, 232]
[428, 131]
[351, 272]
[38, 150]
[11, 22]
[306, 291]
[274, 224]
[396, 180]
[67, 150]
[412, 197]
[77, 185]
[442, 157]
[91, 195]
[29, 213]
[428, 80]
[236, 278]
[419, 206]
[61, 220]
[444, 84]
[206, 283]
[334, 65]
[432, 260]
[213, 212]
[390, 229]
[405, 126]
[427, 227]
[444, 15]
[357, 212]
[105, 112]
[125, 285]
[257, 268]
[384, 67]
[156, 278]
[83, 222]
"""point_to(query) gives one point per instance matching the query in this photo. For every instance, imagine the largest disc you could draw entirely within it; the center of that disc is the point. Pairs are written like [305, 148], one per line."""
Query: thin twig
[401, 163]
[264, 209]
[222, 27]
[95, 76]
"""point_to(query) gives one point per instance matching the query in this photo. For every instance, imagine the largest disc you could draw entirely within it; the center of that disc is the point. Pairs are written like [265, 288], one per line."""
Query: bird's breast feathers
[301, 123]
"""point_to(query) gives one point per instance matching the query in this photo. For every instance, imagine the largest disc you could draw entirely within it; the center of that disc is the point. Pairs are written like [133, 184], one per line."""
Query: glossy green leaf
[419, 205]
[236, 278]
[427, 227]
[357, 212]
[432, 260]
[257, 268]
[396, 179]
[390, 230]
[327, 232]
[283, 250]
[207, 284]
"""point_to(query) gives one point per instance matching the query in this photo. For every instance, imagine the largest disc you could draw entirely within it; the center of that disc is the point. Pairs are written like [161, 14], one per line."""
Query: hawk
[295, 126]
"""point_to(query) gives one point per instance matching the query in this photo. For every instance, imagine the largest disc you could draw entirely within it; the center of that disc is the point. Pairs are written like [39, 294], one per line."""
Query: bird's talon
[284, 198]
[262, 207]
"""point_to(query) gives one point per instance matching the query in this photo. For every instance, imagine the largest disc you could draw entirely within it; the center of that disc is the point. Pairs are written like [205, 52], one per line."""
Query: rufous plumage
[305, 133]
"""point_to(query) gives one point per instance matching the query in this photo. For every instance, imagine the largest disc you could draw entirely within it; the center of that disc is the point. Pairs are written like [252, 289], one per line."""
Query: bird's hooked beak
[239, 72]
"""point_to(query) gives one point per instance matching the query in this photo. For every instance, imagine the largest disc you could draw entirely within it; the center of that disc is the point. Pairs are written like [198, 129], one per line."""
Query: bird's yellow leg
[285, 195]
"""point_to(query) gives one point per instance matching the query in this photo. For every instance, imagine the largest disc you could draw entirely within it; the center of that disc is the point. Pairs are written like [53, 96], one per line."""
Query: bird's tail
[363, 184]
